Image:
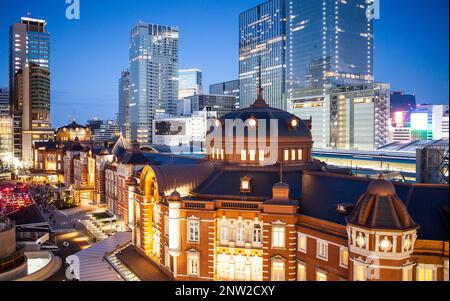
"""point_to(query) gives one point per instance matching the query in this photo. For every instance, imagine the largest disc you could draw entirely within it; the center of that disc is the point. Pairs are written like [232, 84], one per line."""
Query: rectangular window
[193, 263]
[252, 155]
[321, 275]
[322, 249]
[193, 231]
[293, 155]
[301, 271]
[300, 154]
[278, 236]
[222, 154]
[261, 155]
[425, 272]
[166, 225]
[286, 155]
[166, 257]
[278, 270]
[302, 242]
[359, 272]
[213, 153]
[243, 155]
[343, 261]
[224, 233]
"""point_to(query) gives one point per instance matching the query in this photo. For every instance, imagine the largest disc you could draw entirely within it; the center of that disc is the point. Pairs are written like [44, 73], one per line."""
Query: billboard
[419, 121]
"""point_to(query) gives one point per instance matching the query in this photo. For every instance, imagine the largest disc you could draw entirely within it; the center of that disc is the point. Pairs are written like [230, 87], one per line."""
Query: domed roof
[175, 196]
[289, 125]
[380, 208]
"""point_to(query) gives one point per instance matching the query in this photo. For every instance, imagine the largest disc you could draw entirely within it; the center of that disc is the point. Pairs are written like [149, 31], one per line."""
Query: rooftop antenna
[73, 114]
[260, 99]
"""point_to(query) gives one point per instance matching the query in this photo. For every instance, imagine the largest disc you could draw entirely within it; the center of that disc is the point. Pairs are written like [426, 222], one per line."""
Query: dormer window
[245, 184]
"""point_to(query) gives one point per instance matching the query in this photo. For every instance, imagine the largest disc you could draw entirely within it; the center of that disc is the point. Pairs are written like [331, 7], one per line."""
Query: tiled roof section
[381, 211]
[75, 146]
[48, 145]
[188, 176]
[321, 192]
[143, 267]
[226, 184]
[168, 159]
[27, 215]
[283, 119]
[133, 158]
[120, 147]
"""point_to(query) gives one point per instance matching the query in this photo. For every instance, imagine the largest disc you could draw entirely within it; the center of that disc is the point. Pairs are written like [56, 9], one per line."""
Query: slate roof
[321, 192]
[73, 125]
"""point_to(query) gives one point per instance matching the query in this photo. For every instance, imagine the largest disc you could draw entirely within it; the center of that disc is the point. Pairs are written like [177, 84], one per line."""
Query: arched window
[257, 233]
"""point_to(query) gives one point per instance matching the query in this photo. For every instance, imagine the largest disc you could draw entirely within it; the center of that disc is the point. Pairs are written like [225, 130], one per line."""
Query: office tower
[107, 130]
[262, 43]
[6, 127]
[5, 109]
[429, 122]
[222, 104]
[153, 77]
[29, 85]
[123, 118]
[94, 123]
[349, 117]
[182, 133]
[189, 83]
[226, 88]
[329, 44]
[401, 102]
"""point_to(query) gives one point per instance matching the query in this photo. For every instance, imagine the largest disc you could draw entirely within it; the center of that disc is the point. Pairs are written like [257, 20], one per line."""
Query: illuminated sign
[419, 121]
[398, 117]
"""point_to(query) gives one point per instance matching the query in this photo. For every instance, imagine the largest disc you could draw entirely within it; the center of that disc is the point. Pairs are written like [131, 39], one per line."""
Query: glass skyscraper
[153, 76]
[123, 118]
[189, 83]
[305, 47]
[29, 85]
[330, 44]
[262, 39]
[226, 88]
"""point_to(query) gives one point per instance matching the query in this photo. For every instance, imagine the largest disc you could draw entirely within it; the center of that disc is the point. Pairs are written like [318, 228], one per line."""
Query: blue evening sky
[88, 55]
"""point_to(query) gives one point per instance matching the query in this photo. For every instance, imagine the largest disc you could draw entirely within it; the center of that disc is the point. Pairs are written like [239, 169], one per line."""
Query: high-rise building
[153, 77]
[222, 104]
[262, 45]
[429, 122]
[30, 85]
[189, 83]
[107, 130]
[6, 126]
[304, 46]
[348, 117]
[226, 88]
[329, 44]
[5, 108]
[123, 118]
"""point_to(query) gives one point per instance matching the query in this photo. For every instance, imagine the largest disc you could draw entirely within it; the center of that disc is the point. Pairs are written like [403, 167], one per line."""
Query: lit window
[286, 155]
[301, 271]
[257, 234]
[359, 272]
[293, 155]
[343, 261]
[425, 272]
[252, 154]
[222, 155]
[245, 184]
[193, 262]
[193, 231]
[446, 270]
[322, 249]
[240, 233]
[166, 225]
[302, 242]
[261, 155]
[300, 154]
[224, 232]
[243, 155]
[278, 270]
[278, 236]
[213, 153]
[321, 275]
[166, 257]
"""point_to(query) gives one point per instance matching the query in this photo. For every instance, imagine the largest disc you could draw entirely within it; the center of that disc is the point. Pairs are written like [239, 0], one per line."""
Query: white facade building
[180, 133]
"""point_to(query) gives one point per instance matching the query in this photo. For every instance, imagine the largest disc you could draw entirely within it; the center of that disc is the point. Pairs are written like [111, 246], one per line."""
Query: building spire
[260, 102]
